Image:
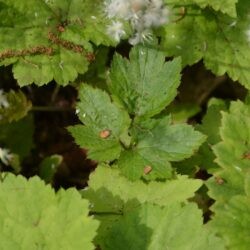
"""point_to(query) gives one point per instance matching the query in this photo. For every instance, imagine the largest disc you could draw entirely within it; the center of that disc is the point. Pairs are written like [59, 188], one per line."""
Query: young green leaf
[99, 149]
[146, 143]
[103, 122]
[33, 216]
[157, 145]
[146, 84]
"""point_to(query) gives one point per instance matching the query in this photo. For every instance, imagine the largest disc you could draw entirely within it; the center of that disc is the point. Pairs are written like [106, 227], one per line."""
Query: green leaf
[179, 228]
[146, 84]
[231, 155]
[95, 25]
[190, 27]
[16, 106]
[48, 40]
[235, 213]
[96, 110]
[99, 149]
[172, 142]
[33, 216]
[212, 121]
[225, 6]
[106, 181]
[135, 224]
[247, 184]
[230, 185]
[18, 136]
[157, 145]
[181, 112]
[41, 69]
[228, 45]
[220, 40]
[224, 185]
[100, 116]
[113, 197]
[231, 152]
[49, 166]
[210, 126]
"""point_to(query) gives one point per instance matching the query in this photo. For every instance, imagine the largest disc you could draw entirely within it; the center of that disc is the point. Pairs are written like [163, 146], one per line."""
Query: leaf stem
[54, 93]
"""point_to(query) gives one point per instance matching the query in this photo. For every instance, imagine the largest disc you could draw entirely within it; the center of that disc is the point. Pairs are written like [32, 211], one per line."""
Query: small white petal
[116, 31]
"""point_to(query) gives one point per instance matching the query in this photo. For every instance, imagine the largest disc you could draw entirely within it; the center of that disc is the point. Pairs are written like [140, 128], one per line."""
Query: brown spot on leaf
[246, 155]
[147, 169]
[104, 134]
[219, 180]
[60, 28]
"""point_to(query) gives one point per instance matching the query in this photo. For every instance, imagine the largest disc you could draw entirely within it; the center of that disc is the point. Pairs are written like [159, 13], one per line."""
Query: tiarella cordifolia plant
[127, 129]
[153, 154]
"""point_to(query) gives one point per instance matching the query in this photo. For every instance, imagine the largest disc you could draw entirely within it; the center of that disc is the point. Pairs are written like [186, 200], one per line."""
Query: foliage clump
[136, 115]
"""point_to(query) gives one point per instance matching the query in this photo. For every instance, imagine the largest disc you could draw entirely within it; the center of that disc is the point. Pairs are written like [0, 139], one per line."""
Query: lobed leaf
[146, 84]
[230, 185]
[32, 216]
[109, 181]
[236, 214]
[221, 41]
[129, 213]
[99, 115]
[50, 40]
[157, 145]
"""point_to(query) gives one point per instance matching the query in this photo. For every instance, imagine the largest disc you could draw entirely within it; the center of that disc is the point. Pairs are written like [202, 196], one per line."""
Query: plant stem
[55, 92]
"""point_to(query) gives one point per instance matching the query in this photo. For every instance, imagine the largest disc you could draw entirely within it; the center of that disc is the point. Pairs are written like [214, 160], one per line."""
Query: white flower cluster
[3, 100]
[143, 15]
[5, 156]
